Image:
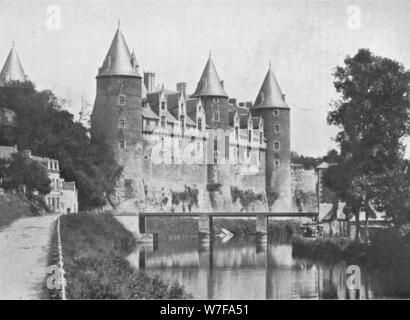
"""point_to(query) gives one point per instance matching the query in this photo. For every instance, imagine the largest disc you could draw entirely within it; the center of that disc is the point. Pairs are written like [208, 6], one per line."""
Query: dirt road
[23, 257]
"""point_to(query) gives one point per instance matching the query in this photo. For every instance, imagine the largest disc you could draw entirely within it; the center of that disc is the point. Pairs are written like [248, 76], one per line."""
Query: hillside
[12, 208]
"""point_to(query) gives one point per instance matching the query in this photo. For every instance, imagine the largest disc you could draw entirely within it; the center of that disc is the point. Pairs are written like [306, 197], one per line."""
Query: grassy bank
[94, 250]
[13, 207]
[328, 249]
[280, 229]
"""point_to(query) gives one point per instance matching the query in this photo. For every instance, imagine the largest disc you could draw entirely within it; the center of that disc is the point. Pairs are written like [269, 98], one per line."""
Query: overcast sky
[304, 40]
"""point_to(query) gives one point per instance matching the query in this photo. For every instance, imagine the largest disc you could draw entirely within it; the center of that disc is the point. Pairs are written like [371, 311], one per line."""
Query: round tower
[116, 118]
[270, 104]
[210, 90]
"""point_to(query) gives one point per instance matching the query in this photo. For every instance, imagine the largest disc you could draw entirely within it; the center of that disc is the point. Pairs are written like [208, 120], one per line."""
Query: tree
[47, 130]
[21, 173]
[372, 113]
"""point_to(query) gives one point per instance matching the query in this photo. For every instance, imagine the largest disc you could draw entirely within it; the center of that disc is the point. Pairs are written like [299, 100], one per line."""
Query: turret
[211, 91]
[12, 69]
[116, 117]
[271, 105]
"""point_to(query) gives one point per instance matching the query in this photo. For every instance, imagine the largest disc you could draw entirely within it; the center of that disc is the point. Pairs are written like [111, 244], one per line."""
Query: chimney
[181, 87]
[149, 81]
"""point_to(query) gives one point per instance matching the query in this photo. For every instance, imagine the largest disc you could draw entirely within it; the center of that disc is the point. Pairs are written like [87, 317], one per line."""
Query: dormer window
[200, 124]
[122, 100]
[249, 135]
[236, 133]
[163, 121]
[199, 109]
[163, 105]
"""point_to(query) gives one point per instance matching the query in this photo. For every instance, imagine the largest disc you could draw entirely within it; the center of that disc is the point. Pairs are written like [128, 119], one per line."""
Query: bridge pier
[136, 224]
[205, 225]
[261, 228]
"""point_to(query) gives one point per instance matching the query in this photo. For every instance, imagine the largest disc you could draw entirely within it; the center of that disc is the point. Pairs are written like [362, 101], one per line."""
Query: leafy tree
[22, 173]
[372, 113]
[44, 127]
[307, 162]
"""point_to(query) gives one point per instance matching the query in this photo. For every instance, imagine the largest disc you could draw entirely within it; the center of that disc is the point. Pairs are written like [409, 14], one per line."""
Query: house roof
[147, 112]
[69, 186]
[209, 84]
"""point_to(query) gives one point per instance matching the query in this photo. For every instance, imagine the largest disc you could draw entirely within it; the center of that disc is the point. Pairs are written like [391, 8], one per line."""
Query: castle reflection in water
[240, 269]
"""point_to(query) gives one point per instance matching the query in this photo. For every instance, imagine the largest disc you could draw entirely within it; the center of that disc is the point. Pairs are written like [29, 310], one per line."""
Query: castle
[169, 141]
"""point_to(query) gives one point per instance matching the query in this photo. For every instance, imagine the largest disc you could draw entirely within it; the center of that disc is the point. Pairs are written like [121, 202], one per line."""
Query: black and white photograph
[216, 150]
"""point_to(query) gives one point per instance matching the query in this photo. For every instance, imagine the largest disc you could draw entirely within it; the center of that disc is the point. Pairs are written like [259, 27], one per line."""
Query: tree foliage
[22, 173]
[47, 130]
[372, 113]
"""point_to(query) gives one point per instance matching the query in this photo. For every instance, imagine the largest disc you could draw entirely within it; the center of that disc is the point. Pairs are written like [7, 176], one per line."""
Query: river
[240, 269]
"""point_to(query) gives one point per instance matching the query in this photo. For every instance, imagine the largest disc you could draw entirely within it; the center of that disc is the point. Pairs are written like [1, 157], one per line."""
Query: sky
[62, 43]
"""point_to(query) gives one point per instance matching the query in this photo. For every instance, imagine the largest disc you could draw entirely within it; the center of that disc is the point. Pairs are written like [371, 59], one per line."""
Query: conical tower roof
[118, 61]
[210, 85]
[270, 95]
[12, 69]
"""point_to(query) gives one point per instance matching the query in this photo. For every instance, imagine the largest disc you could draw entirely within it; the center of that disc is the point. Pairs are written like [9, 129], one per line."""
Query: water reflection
[243, 269]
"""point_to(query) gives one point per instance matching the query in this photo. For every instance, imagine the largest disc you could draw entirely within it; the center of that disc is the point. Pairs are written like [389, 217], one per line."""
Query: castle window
[200, 124]
[216, 116]
[122, 144]
[122, 100]
[276, 145]
[276, 163]
[276, 113]
[277, 128]
[122, 123]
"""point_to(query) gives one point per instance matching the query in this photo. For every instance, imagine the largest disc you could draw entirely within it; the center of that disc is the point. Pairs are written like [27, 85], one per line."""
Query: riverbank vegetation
[95, 248]
[386, 255]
